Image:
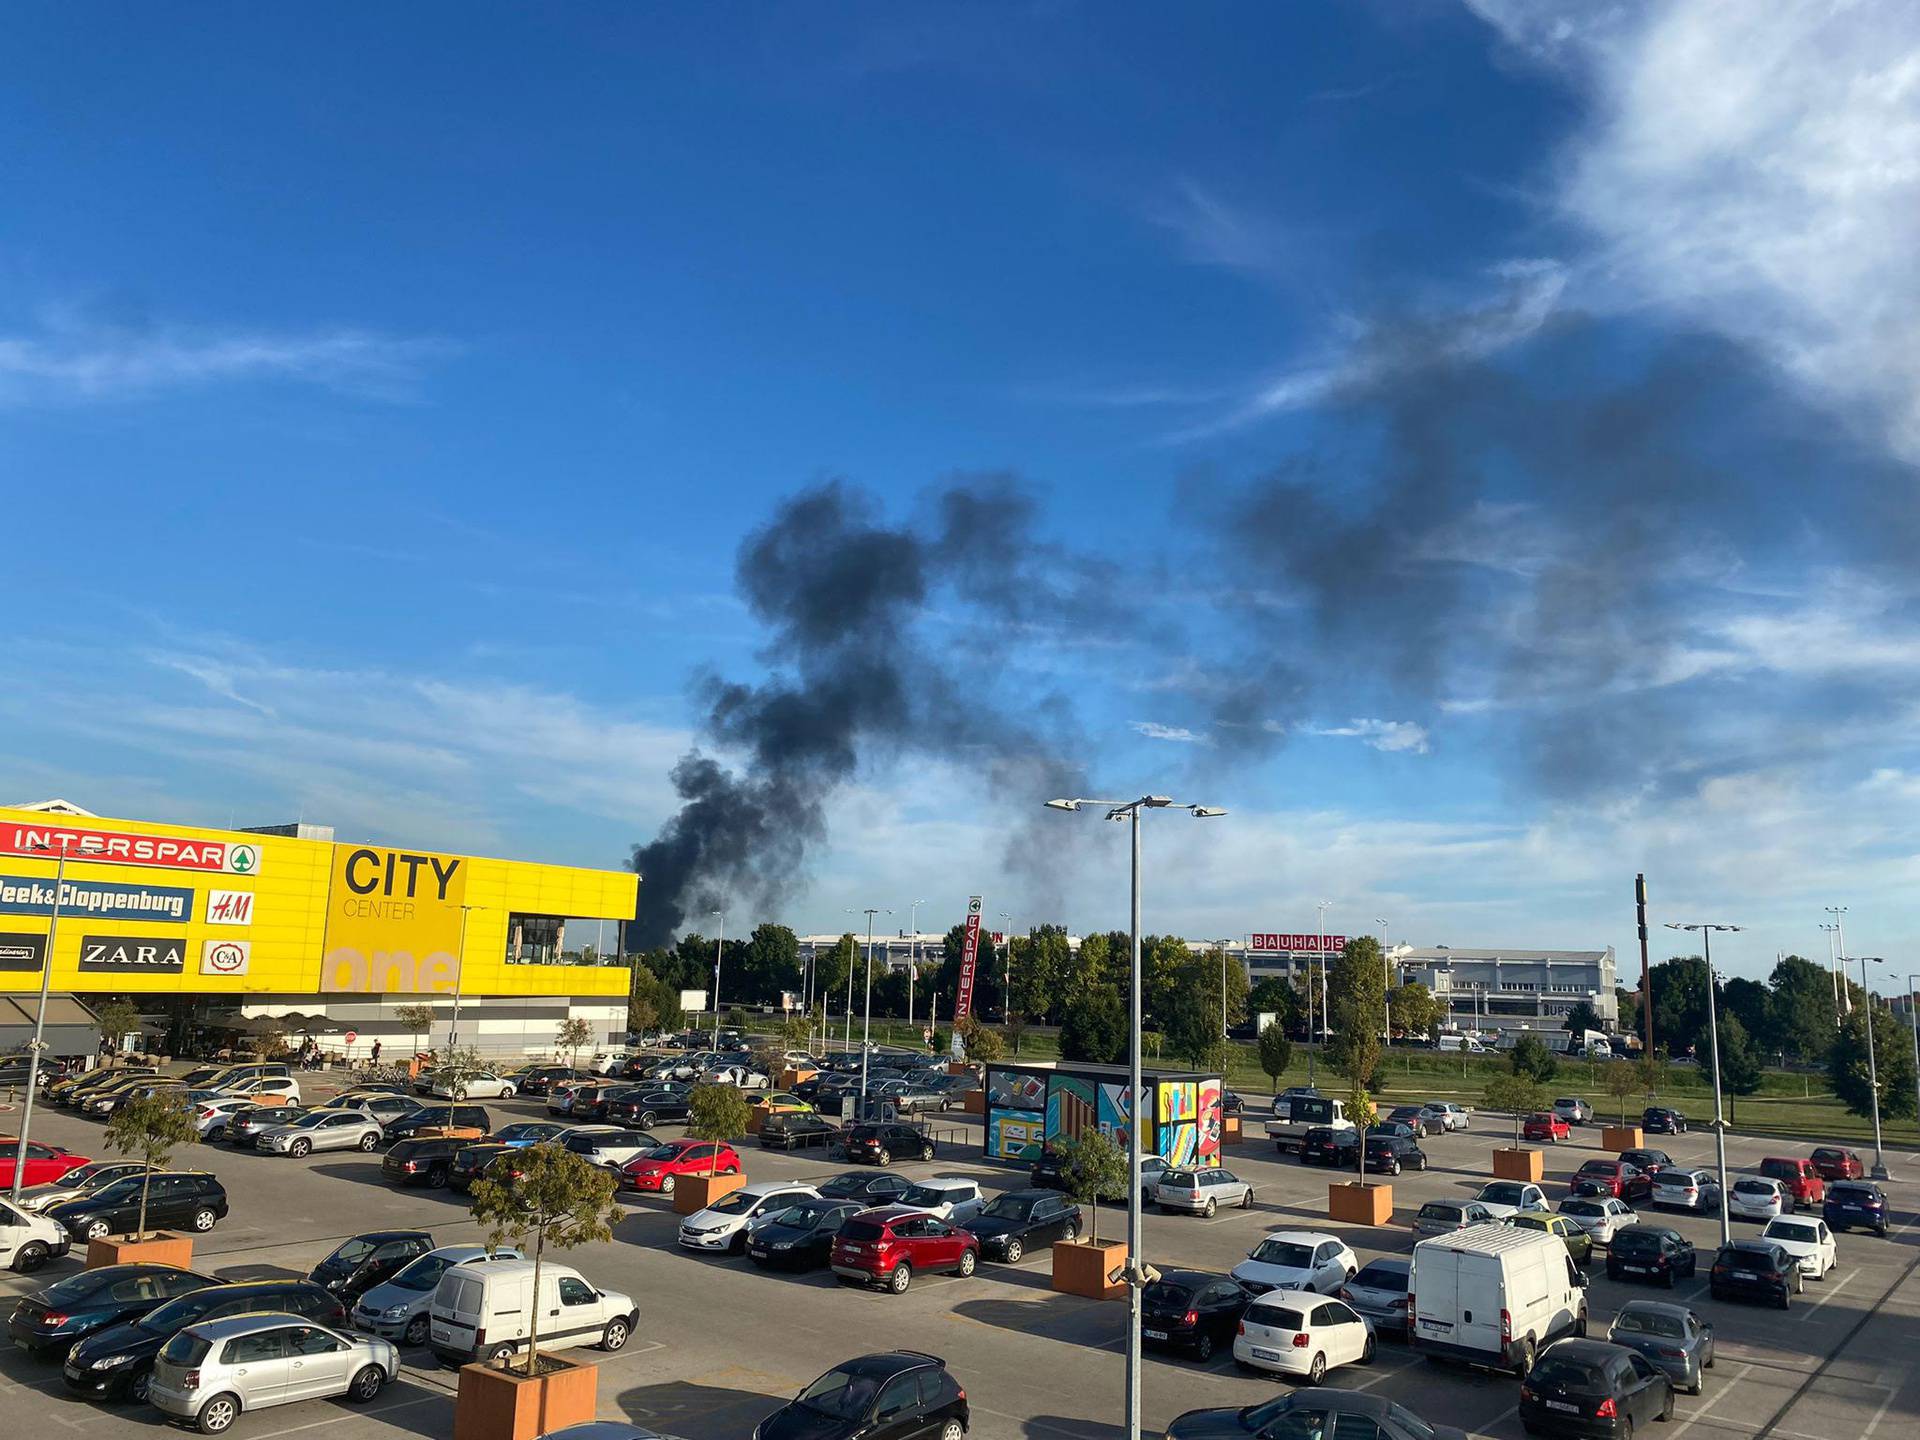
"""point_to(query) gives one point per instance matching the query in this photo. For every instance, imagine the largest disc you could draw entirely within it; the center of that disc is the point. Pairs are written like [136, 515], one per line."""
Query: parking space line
[1838, 1286]
[1724, 1389]
[435, 1399]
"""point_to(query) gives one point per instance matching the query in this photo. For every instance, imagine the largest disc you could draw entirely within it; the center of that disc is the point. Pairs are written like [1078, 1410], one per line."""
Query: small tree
[272, 1033]
[795, 1030]
[574, 1032]
[1015, 1028]
[151, 1128]
[1740, 1067]
[717, 1113]
[981, 1043]
[456, 1070]
[1621, 1079]
[1531, 1057]
[1276, 1053]
[114, 1018]
[418, 1019]
[1520, 1094]
[554, 1196]
[1092, 1166]
[1653, 1071]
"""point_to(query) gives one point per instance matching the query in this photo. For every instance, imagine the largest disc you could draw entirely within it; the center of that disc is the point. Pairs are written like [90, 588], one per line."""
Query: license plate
[1260, 1354]
[1563, 1405]
[1634, 1269]
[1427, 1324]
[1154, 1334]
[1745, 1275]
[71, 1370]
[853, 1249]
[440, 1332]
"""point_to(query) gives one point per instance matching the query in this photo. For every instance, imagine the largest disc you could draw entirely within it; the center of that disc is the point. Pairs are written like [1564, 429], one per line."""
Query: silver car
[398, 1308]
[1686, 1190]
[1201, 1192]
[1443, 1217]
[1448, 1116]
[322, 1130]
[1672, 1337]
[212, 1372]
[1379, 1292]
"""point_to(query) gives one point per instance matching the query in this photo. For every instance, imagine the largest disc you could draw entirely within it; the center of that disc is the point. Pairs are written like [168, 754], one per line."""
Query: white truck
[1294, 1115]
[1493, 1295]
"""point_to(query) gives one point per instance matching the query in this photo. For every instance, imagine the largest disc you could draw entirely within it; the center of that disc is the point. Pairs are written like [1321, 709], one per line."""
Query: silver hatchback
[212, 1372]
[322, 1130]
[1201, 1192]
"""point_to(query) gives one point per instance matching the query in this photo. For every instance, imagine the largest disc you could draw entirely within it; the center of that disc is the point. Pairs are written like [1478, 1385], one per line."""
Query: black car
[801, 1236]
[1754, 1270]
[72, 1309]
[539, 1079]
[1652, 1162]
[1390, 1154]
[1650, 1252]
[1591, 1387]
[648, 1105]
[402, 1127]
[914, 1392]
[1659, 1120]
[426, 1162]
[867, 1189]
[368, 1260]
[883, 1144]
[1856, 1202]
[470, 1162]
[1324, 1145]
[1193, 1311]
[176, 1199]
[1023, 1220]
[117, 1362]
[796, 1130]
[1311, 1414]
[245, 1124]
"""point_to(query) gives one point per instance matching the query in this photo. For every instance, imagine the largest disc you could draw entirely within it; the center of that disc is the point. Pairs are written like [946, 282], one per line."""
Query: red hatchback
[885, 1246]
[657, 1170]
[45, 1163]
[1834, 1163]
[1612, 1177]
[1797, 1177]
[1546, 1126]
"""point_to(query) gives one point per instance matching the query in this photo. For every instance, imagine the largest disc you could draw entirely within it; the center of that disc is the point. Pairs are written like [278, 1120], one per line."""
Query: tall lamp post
[913, 956]
[1323, 906]
[719, 939]
[1135, 1269]
[40, 1015]
[1706, 933]
[866, 1025]
[1006, 981]
[1879, 1171]
[1842, 1002]
[1386, 980]
[459, 977]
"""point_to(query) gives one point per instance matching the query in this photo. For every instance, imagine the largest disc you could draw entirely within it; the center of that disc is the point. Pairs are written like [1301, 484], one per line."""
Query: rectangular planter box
[1360, 1204]
[449, 1132]
[791, 1078]
[1621, 1137]
[496, 1404]
[958, 1067]
[694, 1193]
[1230, 1130]
[1512, 1164]
[754, 1117]
[1081, 1268]
[974, 1102]
[161, 1247]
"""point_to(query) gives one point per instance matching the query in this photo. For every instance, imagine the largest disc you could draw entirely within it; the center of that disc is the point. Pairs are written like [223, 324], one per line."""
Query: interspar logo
[161, 851]
[226, 957]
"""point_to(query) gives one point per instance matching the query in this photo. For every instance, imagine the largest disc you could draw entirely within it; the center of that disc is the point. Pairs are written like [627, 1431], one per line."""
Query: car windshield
[184, 1311]
[1635, 1240]
[1649, 1322]
[1597, 1167]
[1503, 1193]
[1009, 1207]
[311, 1120]
[663, 1152]
[76, 1287]
[1793, 1230]
[1844, 1191]
[1167, 1295]
[1283, 1252]
[1179, 1179]
[738, 1203]
[928, 1195]
[1279, 1317]
[1754, 1187]
[1564, 1372]
[89, 1174]
[125, 1188]
[1583, 1207]
[843, 1394]
[353, 1252]
[1434, 1210]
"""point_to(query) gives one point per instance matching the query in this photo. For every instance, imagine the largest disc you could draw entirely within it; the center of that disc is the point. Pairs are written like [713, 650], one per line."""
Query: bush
[1531, 1058]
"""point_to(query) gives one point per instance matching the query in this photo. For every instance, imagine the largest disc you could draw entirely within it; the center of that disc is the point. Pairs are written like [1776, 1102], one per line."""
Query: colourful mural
[1070, 1107]
[1209, 1122]
[1016, 1135]
[1026, 1112]
[1010, 1090]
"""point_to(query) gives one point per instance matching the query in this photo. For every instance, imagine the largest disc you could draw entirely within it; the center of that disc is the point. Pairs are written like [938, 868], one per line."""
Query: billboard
[969, 961]
[1272, 942]
[393, 921]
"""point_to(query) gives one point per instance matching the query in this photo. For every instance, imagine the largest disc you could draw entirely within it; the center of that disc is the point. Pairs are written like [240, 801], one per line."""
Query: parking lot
[720, 1343]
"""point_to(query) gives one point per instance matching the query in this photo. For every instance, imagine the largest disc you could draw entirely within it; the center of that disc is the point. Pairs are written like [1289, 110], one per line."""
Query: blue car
[527, 1132]
[1856, 1204]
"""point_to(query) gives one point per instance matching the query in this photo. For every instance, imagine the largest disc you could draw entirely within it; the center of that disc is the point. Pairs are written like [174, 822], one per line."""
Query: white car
[1754, 1197]
[951, 1197]
[1808, 1241]
[608, 1062]
[1445, 1115]
[27, 1241]
[1296, 1333]
[210, 1116]
[1297, 1260]
[1512, 1197]
[266, 1090]
[1599, 1215]
[1573, 1110]
[739, 1076]
[609, 1146]
[723, 1224]
[484, 1086]
[1686, 1189]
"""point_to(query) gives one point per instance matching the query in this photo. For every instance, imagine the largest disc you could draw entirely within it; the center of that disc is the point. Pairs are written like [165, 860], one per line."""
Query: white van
[1458, 1043]
[482, 1313]
[1294, 1115]
[1493, 1295]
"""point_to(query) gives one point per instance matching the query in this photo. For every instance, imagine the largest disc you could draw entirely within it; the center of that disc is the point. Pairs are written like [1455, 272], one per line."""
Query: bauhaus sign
[1268, 942]
[132, 954]
[164, 852]
[393, 921]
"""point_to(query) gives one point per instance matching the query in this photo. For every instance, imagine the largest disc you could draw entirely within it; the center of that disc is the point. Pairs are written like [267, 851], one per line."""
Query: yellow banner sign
[393, 921]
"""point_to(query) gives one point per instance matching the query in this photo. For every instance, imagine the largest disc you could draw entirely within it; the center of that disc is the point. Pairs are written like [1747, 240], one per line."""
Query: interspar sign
[969, 960]
[165, 852]
[29, 895]
[1273, 943]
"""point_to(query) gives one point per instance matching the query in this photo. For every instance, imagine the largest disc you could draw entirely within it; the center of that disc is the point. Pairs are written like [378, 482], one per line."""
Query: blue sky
[385, 395]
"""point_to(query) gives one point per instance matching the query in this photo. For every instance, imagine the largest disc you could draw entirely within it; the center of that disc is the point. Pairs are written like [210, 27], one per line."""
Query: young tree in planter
[1519, 1093]
[418, 1019]
[1621, 1079]
[150, 1128]
[456, 1070]
[1093, 1166]
[717, 1113]
[554, 1197]
[114, 1018]
[572, 1034]
[1276, 1053]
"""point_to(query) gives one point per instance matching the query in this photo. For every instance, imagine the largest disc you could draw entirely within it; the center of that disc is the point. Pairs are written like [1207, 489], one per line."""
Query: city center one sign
[393, 921]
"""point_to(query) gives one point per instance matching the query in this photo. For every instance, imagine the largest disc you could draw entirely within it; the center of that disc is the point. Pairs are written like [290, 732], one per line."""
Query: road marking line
[1835, 1290]
[370, 1410]
[1720, 1393]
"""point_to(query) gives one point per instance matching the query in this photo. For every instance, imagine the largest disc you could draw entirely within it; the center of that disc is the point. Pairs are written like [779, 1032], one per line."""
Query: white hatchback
[1754, 1197]
[1599, 1215]
[723, 1225]
[1293, 1332]
[1808, 1241]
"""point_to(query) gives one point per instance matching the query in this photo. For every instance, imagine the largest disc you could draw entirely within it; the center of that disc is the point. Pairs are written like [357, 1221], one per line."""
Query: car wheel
[1014, 1252]
[30, 1257]
[506, 1092]
[968, 1262]
[738, 1244]
[666, 1184]
[926, 1152]
[900, 1279]
[497, 1355]
[137, 1388]
[437, 1178]
[217, 1414]
[1366, 1352]
[1246, 1199]
[1626, 1428]
[1071, 1233]
[1580, 1325]
[417, 1331]
[649, 1120]
[1523, 1366]
[366, 1384]
[952, 1430]
[300, 1148]
[1317, 1371]
[1668, 1278]
[368, 1141]
[615, 1335]
[1203, 1348]
[98, 1230]
[1666, 1410]
[1212, 1206]
[885, 1158]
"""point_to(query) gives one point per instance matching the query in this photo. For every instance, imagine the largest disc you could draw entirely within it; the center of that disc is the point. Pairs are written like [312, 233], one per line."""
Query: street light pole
[1386, 980]
[1706, 933]
[39, 1017]
[866, 1025]
[1006, 978]
[1842, 1001]
[913, 956]
[1879, 1171]
[460, 977]
[1136, 1263]
[719, 939]
[1323, 906]
[1913, 1024]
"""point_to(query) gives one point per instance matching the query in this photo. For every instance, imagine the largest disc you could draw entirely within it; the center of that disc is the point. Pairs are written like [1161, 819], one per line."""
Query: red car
[45, 1163]
[1546, 1126]
[656, 1170]
[1834, 1163]
[1797, 1177]
[1612, 1177]
[885, 1246]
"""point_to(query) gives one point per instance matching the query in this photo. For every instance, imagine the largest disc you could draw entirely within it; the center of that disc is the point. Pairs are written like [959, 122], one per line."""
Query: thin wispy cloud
[1391, 736]
[1212, 231]
[1178, 734]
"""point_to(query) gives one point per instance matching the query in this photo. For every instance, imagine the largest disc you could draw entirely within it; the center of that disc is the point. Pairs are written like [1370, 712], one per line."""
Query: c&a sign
[393, 921]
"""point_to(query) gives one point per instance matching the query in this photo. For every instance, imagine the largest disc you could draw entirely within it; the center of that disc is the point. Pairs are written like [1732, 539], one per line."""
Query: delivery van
[1294, 1115]
[484, 1313]
[1464, 1043]
[1493, 1295]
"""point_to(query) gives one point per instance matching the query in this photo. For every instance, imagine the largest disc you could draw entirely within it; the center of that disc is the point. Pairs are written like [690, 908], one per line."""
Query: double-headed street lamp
[40, 1015]
[719, 939]
[1879, 1171]
[1706, 933]
[866, 1025]
[1135, 1269]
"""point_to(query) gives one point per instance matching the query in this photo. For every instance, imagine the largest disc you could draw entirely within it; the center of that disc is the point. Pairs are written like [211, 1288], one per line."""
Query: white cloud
[1754, 168]
[1214, 232]
[1392, 736]
[1178, 733]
